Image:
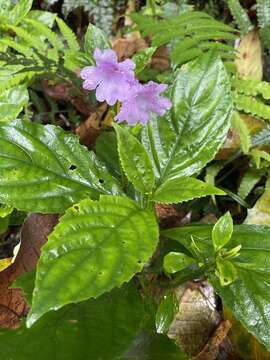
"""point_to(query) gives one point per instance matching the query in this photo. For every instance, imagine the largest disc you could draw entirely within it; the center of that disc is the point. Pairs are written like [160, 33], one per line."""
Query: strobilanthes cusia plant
[115, 81]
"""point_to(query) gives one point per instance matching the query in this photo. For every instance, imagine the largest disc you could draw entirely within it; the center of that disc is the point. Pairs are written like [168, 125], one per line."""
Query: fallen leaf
[126, 48]
[196, 319]
[90, 129]
[170, 216]
[249, 58]
[64, 92]
[34, 234]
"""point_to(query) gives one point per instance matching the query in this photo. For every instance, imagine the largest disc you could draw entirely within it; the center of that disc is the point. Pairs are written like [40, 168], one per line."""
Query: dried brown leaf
[34, 234]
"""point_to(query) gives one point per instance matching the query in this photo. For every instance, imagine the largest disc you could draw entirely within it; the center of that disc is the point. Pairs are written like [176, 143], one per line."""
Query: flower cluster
[115, 81]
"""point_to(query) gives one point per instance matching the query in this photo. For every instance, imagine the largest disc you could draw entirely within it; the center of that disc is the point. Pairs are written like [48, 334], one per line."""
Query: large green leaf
[95, 38]
[96, 246]
[135, 160]
[189, 136]
[102, 328]
[12, 102]
[249, 296]
[177, 190]
[44, 169]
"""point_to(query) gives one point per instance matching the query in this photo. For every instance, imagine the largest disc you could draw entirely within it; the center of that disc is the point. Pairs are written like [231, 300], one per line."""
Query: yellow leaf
[249, 59]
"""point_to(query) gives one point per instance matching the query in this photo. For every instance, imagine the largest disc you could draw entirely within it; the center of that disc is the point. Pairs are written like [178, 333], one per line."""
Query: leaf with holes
[183, 189]
[45, 169]
[97, 245]
[135, 160]
[188, 137]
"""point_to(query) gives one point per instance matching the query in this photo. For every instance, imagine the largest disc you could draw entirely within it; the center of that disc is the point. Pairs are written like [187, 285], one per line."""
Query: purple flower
[142, 101]
[111, 79]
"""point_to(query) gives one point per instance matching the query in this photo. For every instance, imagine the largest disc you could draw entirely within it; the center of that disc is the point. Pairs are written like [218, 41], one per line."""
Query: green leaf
[135, 160]
[45, 169]
[142, 58]
[97, 245]
[175, 261]
[12, 102]
[19, 11]
[166, 312]
[249, 296]
[258, 155]
[188, 137]
[177, 190]
[26, 282]
[5, 210]
[95, 38]
[68, 35]
[227, 272]
[152, 346]
[102, 328]
[106, 150]
[222, 231]
[239, 124]
[248, 181]
[46, 17]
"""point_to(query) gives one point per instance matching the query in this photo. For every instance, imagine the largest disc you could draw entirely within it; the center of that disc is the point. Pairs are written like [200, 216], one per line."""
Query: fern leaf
[191, 34]
[262, 138]
[42, 30]
[248, 181]
[258, 155]
[263, 14]
[21, 49]
[242, 129]
[68, 34]
[30, 40]
[252, 106]
[252, 87]
[240, 16]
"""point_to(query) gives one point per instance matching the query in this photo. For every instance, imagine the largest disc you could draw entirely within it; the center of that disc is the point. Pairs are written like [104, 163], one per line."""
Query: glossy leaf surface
[135, 160]
[97, 245]
[177, 190]
[45, 169]
[188, 137]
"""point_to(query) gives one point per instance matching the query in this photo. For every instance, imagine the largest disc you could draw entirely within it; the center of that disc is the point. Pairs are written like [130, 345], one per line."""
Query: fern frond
[261, 138]
[191, 34]
[16, 79]
[263, 14]
[258, 155]
[240, 16]
[252, 106]
[21, 49]
[252, 87]
[31, 40]
[68, 35]
[41, 29]
[248, 181]
[240, 126]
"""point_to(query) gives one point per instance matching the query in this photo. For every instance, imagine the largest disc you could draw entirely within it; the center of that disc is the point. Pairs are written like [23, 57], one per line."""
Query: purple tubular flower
[111, 79]
[142, 101]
